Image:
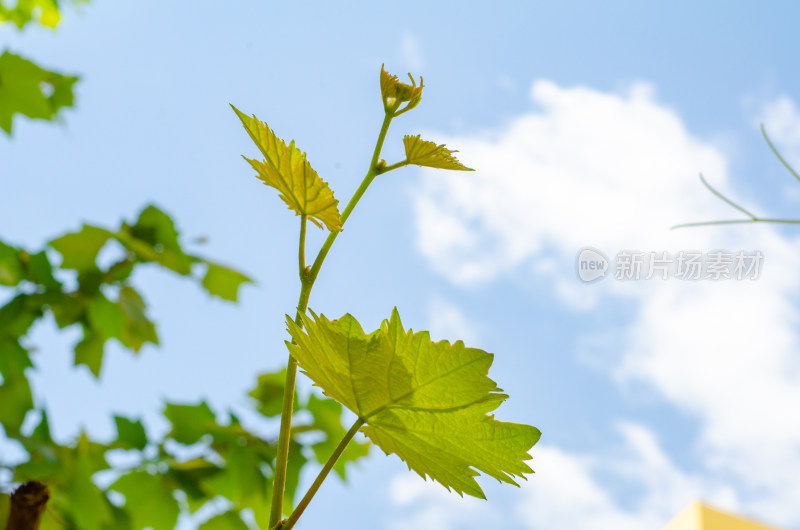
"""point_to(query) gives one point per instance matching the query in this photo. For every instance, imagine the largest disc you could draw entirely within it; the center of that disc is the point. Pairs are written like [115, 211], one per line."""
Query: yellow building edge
[698, 516]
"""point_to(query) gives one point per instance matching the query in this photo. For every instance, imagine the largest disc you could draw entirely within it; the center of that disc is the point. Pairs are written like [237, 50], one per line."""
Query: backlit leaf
[428, 402]
[424, 153]
[286, 169]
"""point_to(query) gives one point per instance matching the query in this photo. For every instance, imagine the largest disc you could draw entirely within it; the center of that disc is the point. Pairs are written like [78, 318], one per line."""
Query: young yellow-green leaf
[393, 92]
[424, 153]
[428, 402]
[286, 169]
[224, 282]
[45, 12]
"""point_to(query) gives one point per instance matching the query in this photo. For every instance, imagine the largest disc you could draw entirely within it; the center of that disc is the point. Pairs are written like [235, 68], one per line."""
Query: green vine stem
[303, 504]
[752, 218]
[307, 281]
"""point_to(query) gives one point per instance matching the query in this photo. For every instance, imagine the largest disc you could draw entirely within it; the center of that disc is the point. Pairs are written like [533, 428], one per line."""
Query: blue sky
[587, 124]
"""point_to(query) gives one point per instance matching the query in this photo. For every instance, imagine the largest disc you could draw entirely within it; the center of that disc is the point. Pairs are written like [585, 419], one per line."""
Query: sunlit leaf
[424, 153]
[45, 12]
[393, 92]
[286, 169]
[428, 402]
[30, 90]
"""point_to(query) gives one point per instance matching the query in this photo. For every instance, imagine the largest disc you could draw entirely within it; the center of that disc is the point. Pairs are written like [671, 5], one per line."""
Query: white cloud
[448, 322]
[426, 504]
[781, 119]
[567, 493]
[614, 171]
[411, 52]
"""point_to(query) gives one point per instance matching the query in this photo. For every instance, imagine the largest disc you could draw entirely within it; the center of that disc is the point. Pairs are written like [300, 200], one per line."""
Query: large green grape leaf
[428, 402]
[424, 153]
[28, 89]
[286, 169]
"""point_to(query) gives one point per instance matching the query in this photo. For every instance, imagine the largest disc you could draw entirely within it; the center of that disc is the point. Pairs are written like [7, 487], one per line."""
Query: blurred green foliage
[90, 287]
[25, 87]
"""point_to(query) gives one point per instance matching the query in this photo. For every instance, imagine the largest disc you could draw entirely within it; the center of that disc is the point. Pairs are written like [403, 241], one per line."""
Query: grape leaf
[427, 402]
[138, 328]
[10, 267]
[286, 169]
[89, 351]
[223, 281]
[393, 92]
[189, 422]
[149, 500]
[225, 521]
[130, 434]
[327, 415]
[268, 393]
[79, 249]
[424, 153]
[45, 12]
[15, 395]
[28, 89]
